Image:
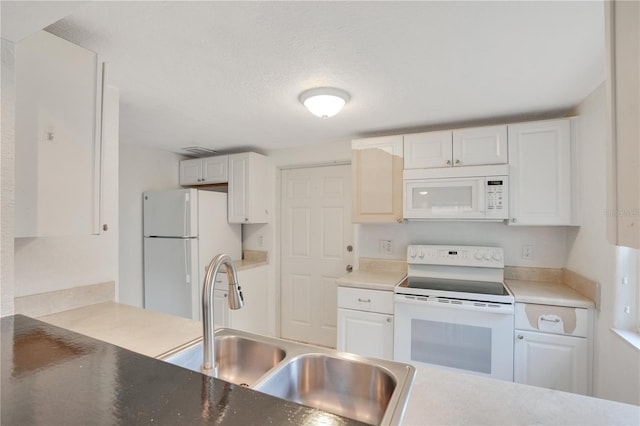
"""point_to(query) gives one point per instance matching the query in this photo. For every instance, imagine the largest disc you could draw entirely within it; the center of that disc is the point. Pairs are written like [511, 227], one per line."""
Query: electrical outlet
[260, 240]
[527, 252]
[384, 247]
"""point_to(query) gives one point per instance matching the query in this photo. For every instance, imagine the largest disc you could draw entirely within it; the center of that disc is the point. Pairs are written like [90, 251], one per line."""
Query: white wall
[7, 186]
[141, 169]
[54, 263]
[617, 363]
[548, 243]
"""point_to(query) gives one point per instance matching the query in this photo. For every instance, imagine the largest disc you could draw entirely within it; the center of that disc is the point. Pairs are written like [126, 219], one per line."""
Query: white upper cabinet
[376, 165]
[455, 148]
[428, 150]
[248, 188]
[59, 88]
[540, 158]
[203, 171]
[480, 145]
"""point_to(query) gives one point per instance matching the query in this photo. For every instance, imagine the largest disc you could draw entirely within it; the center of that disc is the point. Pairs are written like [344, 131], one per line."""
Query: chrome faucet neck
[235, 302]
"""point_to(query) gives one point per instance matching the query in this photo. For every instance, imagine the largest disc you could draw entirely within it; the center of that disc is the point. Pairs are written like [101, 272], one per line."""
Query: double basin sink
[366, 389]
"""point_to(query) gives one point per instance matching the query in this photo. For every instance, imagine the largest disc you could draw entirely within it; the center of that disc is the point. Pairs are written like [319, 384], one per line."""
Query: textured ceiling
[227, 75]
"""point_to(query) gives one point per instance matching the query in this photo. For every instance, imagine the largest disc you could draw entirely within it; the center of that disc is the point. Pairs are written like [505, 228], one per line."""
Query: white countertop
[544, 293]
[373, 280]
[438, 397]
[443, 397]
[146, 332]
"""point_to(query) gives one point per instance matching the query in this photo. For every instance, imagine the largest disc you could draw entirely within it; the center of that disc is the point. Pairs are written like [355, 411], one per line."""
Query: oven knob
[421, 254]
[487, 256]
[478, 256]
[412, 254]
[497, 257]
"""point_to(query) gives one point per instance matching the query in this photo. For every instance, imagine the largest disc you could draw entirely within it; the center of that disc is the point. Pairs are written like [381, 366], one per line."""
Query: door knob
[349, 268]
[349, 248]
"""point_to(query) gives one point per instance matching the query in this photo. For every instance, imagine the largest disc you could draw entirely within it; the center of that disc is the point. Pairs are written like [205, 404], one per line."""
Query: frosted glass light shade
[324, 102]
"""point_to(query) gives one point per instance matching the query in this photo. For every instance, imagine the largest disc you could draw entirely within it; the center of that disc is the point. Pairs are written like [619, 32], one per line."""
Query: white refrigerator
[183, 230]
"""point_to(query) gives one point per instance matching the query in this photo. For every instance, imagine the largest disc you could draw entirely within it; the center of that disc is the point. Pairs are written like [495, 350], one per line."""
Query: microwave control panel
[497, 197]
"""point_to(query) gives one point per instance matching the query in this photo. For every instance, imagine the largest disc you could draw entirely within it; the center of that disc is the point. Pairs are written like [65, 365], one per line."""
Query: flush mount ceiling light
[324, 102]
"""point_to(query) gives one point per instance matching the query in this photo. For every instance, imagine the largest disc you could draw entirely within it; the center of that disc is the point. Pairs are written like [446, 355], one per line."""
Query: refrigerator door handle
[186, 215]
[187, 260]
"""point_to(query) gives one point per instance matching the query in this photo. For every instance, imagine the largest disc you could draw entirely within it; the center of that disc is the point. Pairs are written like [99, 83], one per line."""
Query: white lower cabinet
[552, 346]
[221, 311]
[365, 322]
[551, 361]
[252, 317]
[365, 333]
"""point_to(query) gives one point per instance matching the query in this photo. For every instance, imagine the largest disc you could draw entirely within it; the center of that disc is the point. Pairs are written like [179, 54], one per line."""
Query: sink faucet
[235, 302]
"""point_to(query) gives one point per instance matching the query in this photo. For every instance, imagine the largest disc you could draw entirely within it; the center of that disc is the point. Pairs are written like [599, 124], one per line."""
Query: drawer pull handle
[364, 300]
[550, 320]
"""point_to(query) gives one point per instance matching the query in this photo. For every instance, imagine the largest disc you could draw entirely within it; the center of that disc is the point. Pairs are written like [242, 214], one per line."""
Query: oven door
[458, 335]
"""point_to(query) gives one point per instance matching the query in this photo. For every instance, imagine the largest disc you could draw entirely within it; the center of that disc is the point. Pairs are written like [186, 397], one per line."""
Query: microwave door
[445, 199]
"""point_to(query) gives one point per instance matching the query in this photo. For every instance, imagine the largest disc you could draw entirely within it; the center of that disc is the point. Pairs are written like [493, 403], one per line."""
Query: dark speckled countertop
[53, 376]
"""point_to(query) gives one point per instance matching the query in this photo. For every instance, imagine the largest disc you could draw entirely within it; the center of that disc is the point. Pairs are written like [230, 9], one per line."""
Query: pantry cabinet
[377, 179]
[456, 148]
[59, 111]
[542, 170]
[203, 171]
[551, 347]
[248, 188]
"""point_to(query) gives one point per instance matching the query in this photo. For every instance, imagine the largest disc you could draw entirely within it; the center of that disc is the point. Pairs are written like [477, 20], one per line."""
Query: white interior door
[315, 234]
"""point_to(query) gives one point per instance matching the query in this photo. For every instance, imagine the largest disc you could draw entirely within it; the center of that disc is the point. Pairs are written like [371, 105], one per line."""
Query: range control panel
[489, 257]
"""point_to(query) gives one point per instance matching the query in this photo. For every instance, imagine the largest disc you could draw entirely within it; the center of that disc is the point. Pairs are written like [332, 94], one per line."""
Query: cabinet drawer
[365, 300]
[552, 319]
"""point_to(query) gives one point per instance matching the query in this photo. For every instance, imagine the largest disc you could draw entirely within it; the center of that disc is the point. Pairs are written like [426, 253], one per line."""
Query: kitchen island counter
[53, 376]
[447, 397]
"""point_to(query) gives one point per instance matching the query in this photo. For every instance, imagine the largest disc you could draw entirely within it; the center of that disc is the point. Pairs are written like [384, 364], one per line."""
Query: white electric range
[454, 311]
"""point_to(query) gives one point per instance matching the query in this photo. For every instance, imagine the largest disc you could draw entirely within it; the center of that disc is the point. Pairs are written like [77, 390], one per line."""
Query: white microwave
[457, 193]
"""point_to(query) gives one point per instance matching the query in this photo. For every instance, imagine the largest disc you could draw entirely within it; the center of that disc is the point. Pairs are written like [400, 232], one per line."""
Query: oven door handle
[485, 307]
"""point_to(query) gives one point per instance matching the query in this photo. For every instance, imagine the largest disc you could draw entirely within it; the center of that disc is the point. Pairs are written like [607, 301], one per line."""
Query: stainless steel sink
[370, 390]
[240, 360]
[342, 386]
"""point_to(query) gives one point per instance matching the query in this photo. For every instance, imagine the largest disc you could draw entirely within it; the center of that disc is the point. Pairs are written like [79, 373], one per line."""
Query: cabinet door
[214, 169]
[480, 145]
[377, 179]
[551, 361]
[221, 312]
[540, 184]
[365, 333]
[248, 189]
[252, 317]
[428, 150]
[58, 138]
[190, 172]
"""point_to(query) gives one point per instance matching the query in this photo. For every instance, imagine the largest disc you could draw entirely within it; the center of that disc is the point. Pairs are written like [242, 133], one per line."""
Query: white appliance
[468, 193]
[183, 230]
[454, 311]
